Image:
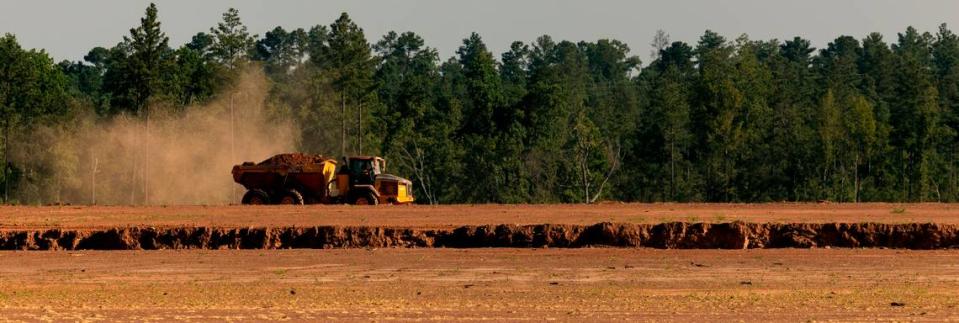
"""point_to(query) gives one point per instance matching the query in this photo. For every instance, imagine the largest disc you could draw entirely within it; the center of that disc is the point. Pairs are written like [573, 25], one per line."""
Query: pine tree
[718, 104]
[406, 80]
[148, 69]
[479, 131]
[232, 42]
[945, 51]
[915, 116]
[344, 58]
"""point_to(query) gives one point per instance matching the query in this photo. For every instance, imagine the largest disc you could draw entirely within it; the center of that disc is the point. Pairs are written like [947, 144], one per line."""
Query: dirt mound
[294, 159]
[674, 235]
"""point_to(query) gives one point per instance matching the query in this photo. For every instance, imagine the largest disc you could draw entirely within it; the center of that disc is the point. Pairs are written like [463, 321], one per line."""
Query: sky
[68, 29]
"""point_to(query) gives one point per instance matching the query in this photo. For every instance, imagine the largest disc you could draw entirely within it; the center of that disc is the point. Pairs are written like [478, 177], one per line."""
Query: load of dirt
[673, 235]
[294, 159]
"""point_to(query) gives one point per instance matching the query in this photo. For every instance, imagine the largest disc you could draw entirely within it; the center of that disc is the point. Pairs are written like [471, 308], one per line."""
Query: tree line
[725, 120]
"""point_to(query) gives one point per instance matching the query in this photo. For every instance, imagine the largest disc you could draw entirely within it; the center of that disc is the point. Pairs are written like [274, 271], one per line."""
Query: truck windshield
[358, 166]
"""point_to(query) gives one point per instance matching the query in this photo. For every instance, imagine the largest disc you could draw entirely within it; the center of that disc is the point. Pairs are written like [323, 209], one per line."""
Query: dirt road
[449, 216]
[480, 284]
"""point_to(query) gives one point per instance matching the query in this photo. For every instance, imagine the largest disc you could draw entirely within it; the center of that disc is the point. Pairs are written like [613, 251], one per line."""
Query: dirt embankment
[453, 216]
[674, 235]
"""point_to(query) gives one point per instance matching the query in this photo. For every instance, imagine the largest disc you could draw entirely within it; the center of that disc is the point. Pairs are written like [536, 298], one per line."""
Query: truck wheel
[366, 198]
[255, 197]
[292, 197]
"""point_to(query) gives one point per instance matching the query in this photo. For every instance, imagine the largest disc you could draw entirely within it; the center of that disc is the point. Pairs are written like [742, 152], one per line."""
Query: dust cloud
[168, 158]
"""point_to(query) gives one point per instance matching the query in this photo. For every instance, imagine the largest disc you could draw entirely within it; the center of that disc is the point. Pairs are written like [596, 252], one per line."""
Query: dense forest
[715, 119]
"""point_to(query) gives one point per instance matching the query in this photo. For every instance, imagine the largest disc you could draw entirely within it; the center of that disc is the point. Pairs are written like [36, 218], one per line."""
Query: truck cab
[362, 180]
[363, 170]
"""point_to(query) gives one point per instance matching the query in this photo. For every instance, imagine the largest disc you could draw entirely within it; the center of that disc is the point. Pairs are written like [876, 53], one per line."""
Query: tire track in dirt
[672, 235]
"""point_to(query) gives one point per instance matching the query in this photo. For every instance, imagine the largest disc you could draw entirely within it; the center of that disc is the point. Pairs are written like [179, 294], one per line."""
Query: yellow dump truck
[307, 179]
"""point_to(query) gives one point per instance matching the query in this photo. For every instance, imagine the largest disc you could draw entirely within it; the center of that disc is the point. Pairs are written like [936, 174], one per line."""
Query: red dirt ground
[481, 284]
[448, 216]
[591, 284]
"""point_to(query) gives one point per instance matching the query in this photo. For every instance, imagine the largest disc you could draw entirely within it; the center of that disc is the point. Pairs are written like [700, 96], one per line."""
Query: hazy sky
[68, 29]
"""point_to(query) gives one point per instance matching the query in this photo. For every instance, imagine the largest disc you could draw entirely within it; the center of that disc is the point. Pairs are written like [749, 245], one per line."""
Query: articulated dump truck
[308, 179]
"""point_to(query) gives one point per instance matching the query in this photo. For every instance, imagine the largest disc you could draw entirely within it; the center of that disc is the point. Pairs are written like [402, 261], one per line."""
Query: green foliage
[281, 50]
[343, 72]
[231, 41]
[147, 68]
[33, 92]
[548, 121]
[479, 129]
[406, 81]
[199, 77]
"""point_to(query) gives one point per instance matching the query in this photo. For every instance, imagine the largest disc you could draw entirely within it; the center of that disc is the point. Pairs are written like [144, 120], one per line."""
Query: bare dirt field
[481, 284]
[449, 216]
[363, 281]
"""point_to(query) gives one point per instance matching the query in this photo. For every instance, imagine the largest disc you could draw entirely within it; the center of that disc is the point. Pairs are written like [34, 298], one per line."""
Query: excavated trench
[673, 235]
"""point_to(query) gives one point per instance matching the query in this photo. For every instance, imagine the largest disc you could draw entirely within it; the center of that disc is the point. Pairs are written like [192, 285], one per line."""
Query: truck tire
[365, 198]
[291, 197]
[255, 197]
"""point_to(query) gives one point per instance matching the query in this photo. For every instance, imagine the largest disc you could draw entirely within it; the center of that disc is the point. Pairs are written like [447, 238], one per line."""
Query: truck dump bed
[309, 174]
